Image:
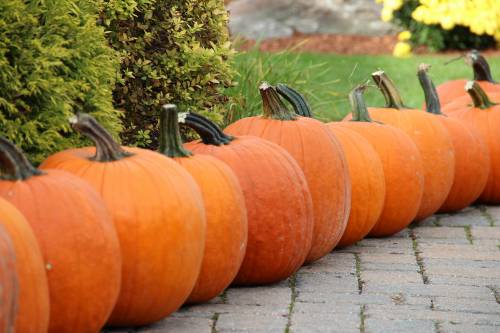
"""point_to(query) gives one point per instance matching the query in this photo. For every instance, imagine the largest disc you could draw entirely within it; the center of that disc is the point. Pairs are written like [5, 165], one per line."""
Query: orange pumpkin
[401, 162]
[279, 206]
[451, 90]
[483, 117]
[471, 154]
[320, 156]
[9, 289]
[33, 291]
[431, 138]
[368, 185]
[365, 170]
[226, 234]
[76, 237]
[158, 212]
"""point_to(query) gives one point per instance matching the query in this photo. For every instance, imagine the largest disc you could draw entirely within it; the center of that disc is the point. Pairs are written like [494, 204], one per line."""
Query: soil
[339, 44]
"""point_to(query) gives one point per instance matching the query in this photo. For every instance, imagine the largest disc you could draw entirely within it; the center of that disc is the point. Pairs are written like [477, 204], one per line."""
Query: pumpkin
[226, 233]
[9, 294]
[471, 154]
[278, 202]
[157, 209]
[483, 116]
[451, 90]
[431, 138]
[401, 162]
[33, 291]
[320, 156]
[365, 171]
[75, 234]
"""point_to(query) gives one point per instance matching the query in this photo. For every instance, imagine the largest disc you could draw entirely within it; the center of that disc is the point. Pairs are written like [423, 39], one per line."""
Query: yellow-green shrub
[173, 51]
[54, 60]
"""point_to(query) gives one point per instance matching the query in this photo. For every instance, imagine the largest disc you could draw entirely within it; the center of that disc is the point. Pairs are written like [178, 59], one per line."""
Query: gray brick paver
[393, 298]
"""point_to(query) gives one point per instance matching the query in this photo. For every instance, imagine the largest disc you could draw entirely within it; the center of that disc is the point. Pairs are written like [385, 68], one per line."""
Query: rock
[263, 19]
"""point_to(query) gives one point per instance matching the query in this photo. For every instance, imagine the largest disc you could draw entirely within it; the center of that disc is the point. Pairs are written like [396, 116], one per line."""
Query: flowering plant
[445, 24]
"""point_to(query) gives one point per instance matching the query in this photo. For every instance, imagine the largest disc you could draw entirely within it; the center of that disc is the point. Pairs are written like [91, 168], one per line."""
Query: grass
[327, 79]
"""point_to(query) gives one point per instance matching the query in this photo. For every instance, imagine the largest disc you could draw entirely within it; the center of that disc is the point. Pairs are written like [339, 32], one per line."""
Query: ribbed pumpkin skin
[436, 150]
[368, 184]
[9, 293]
[472, 165]
[279, 207]
[403, 174]
[33, 291]
[227, 228]
[320, 156]
[79, 246]
[158, 212]
[486, 122]
[450, 91]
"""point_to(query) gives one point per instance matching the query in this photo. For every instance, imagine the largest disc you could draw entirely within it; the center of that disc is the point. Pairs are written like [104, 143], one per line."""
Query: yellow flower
[386, 14]
[404, 35]
[402, 50]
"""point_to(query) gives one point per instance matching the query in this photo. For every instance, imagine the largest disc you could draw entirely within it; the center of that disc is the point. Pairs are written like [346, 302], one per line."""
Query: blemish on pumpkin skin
[48, 266]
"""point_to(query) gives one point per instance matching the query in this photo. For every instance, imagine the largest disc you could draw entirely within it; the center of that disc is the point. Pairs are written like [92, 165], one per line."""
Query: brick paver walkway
[442, 275]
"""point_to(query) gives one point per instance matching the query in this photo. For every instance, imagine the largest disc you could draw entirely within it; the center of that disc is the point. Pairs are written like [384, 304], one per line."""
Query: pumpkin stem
[480, 66]
[273, 106]
[358, 104]
[223, 137]
[170, 136]
[432, 103]
[107, 149]
[296, 99]
[13, 163]
[478, 95]
[388, 88]
[209, 132]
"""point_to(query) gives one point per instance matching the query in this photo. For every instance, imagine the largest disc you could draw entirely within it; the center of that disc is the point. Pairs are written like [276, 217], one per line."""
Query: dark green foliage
[173, 51]
[54, 61]
[437, 38]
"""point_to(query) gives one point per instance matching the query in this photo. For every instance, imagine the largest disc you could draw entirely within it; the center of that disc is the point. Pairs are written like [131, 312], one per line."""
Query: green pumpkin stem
[358, 104]
[13, 163]
[296, 99]
[388, 88]
[478, 95]
[480, 66]
[107, 149]
[170, 136]
[273, 106]
[209, 132]
[432, 103]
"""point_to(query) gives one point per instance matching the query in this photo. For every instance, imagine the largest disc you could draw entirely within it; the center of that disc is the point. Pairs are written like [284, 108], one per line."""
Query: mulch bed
[333, 43]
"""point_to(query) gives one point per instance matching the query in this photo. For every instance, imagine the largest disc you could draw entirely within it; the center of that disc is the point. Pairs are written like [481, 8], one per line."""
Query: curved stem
[170, 137]
[480, 66]
[296, 99]
[358, 104]
[432, 103]
[13, 163]
[478, 95]
[107, 149]
[204, 128]
[272, 104]
[388, 88]
[223, 137]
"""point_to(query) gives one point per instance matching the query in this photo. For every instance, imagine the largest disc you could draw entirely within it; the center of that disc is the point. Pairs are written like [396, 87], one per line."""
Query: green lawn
[326, 79]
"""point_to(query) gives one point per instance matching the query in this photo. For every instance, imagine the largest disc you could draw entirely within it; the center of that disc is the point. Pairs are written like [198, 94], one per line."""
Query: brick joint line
[487, 216]
[362, 317]
[292, 283]
[418, 257]
[215, 318]
[357, 260]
